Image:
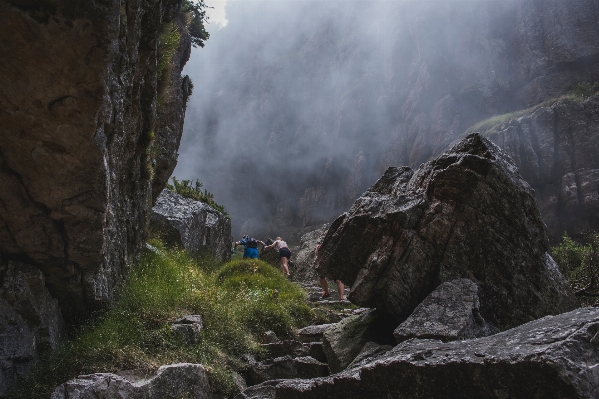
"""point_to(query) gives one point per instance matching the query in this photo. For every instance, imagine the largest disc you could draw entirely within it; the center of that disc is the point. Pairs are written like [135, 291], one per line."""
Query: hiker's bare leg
[284, 267]
[323, 283]
[341, 288]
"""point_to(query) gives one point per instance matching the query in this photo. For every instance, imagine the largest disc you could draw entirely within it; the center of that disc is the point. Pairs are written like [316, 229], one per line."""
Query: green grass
[579, 262]
[493, 125]
[235, 300]
[168, 43]
[193, 190]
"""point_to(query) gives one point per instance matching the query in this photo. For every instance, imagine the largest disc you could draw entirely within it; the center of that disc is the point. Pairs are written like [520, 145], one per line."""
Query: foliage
[196, 21]
[579, 263]
[146, 142]
[168, 43]
[584, 90]
[194, 191]
[494, 124]
[235, 300]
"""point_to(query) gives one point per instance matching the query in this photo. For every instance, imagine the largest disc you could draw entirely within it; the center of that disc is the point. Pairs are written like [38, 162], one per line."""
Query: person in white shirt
[284, 253]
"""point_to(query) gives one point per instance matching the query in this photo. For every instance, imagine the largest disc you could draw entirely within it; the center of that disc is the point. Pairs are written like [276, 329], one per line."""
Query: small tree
[196, 21]
[579, 262]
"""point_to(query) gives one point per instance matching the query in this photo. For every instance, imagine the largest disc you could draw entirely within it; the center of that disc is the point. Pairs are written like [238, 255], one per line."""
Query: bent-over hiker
[251, 247]
[284, 253]
[322, 281]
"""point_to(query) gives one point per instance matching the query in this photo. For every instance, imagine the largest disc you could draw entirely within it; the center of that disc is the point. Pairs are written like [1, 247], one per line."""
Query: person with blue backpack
[251, 247]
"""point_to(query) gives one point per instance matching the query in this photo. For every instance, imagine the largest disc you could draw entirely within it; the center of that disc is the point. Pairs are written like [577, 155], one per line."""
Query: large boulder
[192, 225]
[554, 357]
[303, 261]
[466, 214]
[450, 312]
[344, 340]
[174, 381]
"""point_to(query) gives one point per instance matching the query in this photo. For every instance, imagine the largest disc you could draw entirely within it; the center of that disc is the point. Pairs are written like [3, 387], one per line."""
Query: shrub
[186, 189]
[494, 124]
[235, 301]
[584, 89]
[168, 43]
[579, 262]
[196, 19]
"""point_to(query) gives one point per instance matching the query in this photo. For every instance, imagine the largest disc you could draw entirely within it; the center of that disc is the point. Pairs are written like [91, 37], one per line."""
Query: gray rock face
[272, 369]
[78, 95]
[286, 367]
[31, 324]
[313, 333]
[450, 312]
[188, 328]
[193, 225]
[304, 260]
[344, 340]
[555, 147]
[284, 348]
[368, 352]
[308, 367]
[554, 357]
[466, 214]
[174, 381]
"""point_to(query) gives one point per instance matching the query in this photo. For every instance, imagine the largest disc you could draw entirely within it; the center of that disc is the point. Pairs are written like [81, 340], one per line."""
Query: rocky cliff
[555, 147]
[329, 96]
[78, 117]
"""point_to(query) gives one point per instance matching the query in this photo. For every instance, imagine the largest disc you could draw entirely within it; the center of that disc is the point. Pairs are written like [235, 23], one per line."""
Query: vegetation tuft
[584, 90]
[168, 43]
[494, 124]
[579, 262]
[196, 20]
[189, 189]
[235, 300]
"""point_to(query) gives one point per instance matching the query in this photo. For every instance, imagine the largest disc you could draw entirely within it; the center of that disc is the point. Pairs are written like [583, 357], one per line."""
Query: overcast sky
[216, 13]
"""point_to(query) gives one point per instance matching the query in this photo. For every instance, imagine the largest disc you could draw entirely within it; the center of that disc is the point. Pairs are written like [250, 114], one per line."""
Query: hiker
[251, 247]
[322, 281]
[284, 253]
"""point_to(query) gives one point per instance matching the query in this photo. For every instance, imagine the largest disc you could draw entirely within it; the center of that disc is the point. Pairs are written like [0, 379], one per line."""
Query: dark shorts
[285, 253]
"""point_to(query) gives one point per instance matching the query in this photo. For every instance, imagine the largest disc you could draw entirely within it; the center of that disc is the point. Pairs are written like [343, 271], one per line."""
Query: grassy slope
[493, 124]
[235, 300]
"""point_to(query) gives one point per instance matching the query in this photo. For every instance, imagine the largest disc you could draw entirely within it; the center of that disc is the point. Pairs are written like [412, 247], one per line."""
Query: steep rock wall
[555, 148]
[78, 109]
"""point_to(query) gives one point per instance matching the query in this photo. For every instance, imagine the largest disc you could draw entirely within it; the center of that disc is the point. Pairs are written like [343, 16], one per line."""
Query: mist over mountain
[299, 106]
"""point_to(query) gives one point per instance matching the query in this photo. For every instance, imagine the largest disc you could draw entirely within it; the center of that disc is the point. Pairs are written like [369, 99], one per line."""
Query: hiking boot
[325, 295]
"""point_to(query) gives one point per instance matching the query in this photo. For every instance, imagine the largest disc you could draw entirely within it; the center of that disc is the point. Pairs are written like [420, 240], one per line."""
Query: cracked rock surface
[553, 357]
[184, 380]
[193, 225]
[466, 214]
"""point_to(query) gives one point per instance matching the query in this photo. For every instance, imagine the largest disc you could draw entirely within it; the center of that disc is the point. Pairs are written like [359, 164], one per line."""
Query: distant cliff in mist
[303, 105]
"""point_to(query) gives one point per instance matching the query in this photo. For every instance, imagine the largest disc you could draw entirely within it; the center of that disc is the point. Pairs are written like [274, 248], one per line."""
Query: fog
[299, 106]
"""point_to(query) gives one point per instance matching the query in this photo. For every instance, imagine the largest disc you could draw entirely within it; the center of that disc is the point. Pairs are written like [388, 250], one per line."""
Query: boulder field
[553, 357]
[456, 253]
